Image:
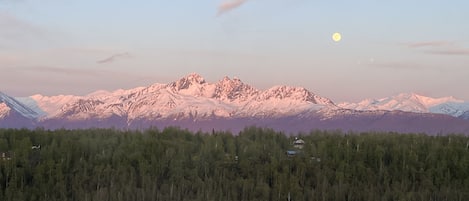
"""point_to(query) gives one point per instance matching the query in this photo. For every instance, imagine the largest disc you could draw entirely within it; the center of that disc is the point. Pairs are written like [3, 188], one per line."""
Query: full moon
[336, 37]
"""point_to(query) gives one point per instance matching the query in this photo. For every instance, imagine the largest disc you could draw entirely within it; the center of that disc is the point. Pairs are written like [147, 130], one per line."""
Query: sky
[76, 47]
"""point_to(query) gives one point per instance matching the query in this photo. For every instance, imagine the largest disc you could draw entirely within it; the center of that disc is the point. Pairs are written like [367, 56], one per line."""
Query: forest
[176, 164]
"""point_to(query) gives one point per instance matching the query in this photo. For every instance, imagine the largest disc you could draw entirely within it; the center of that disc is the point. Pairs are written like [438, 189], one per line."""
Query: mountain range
[230, 104]
[414, 103]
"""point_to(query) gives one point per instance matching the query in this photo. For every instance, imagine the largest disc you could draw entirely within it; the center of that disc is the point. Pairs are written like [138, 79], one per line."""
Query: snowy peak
[191, 85]
[424, 100]
[82, 106]
[10, 103]
[232, 104]
[189, 97]
[233, 89]
[405, 102]
[412, 102]
[294, 93]
[48, 106]
[187, 81]
[281, 101]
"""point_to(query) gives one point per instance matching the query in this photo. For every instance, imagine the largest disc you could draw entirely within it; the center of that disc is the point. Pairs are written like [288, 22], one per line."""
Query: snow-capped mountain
[48, 106]
[230, 104]
[10, 104]
[14, 114]
[455, 109]
[413, 103]
[189, 97]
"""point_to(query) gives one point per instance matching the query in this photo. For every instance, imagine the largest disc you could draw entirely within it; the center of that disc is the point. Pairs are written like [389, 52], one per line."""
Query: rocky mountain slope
[230, 104]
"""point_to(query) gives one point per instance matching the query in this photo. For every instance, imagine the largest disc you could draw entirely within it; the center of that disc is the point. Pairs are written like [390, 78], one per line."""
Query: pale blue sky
[79, 46]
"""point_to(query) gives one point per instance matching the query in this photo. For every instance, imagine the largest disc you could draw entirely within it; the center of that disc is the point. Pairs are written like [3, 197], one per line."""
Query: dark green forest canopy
[175, 164]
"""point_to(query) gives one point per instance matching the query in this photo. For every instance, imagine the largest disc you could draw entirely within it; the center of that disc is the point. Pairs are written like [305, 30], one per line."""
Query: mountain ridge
[412, 102]
[229, 103]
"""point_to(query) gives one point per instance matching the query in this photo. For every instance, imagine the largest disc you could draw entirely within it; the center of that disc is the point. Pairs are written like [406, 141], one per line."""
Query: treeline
[175, 164]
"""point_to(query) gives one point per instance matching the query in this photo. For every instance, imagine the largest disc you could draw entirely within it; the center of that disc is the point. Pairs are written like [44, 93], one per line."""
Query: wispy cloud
[229, 5]
[449, 52]
[429, 44]
[114, 57]
[55, 70]
[439, 47]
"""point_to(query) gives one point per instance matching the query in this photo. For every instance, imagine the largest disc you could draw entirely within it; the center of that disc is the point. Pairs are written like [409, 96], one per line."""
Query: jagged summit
[230, 103]
[190, 97]
[187, 81]
[193, 103]
[294, 93]
[233, 89]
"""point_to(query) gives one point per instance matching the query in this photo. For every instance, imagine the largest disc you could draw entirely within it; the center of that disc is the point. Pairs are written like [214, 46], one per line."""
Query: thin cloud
[114, 57]
[439, 48]
[62, 71]
[55, 70]
[429, 44]
[449, 52]
[229, 5]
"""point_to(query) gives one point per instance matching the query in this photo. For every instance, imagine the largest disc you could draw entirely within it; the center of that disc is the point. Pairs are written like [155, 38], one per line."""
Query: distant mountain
[12, 104]
[414, 103]
[190, 97]
[455, 109]
[230, 104]
[14, 114]
[47, 106]
[465, 115]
